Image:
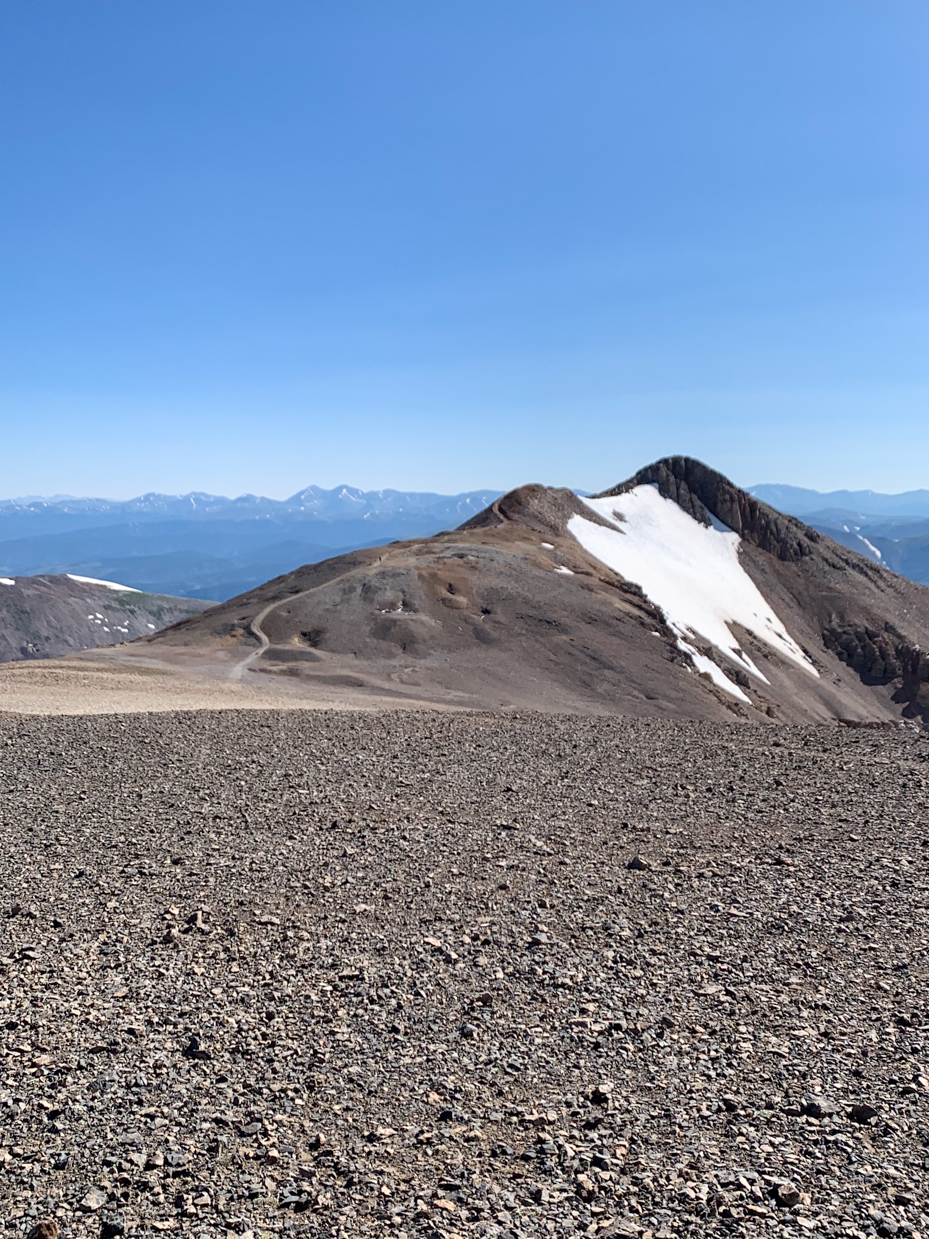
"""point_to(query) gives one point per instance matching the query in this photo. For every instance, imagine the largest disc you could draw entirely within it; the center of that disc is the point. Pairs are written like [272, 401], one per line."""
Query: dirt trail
[240, 668]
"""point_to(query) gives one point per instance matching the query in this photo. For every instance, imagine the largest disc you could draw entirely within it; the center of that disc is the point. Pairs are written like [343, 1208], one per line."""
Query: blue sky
[251, 244]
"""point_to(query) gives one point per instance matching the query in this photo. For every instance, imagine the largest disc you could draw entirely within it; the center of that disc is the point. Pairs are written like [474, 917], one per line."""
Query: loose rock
[379, 1036]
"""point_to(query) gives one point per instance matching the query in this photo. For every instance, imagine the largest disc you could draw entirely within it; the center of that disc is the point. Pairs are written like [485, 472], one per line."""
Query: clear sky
[441, 244]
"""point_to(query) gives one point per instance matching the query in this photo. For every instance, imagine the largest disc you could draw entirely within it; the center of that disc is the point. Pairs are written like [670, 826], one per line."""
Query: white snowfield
[7, 580]
[91, 580]
[692, 573]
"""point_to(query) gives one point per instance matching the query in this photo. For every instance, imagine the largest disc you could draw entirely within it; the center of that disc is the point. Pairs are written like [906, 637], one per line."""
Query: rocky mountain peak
[703, 493]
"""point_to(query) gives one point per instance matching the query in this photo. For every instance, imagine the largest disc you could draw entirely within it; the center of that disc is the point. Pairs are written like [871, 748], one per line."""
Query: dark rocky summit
[877, 650]
[701, 491]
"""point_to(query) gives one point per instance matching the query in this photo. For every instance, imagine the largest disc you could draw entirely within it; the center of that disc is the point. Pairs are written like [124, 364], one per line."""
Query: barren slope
[521, 608]
[46, 616]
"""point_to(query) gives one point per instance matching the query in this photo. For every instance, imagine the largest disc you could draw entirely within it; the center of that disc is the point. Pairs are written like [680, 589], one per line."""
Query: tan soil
[82, 686]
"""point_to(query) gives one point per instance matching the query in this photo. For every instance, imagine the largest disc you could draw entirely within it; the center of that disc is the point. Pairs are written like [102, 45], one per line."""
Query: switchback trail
[239, 670]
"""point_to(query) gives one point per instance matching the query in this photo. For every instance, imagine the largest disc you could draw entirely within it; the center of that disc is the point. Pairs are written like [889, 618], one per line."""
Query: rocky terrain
[537, 603]
[453, 975]
[46, 616]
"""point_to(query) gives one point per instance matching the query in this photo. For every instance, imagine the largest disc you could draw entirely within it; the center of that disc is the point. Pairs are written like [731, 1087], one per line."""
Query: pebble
[263, 977]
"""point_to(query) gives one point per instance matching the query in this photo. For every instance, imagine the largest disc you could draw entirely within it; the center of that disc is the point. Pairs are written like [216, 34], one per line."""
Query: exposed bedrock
[700, 491]
[885, 657]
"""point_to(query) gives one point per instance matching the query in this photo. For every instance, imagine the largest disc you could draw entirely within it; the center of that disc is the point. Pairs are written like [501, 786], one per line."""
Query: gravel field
[102, 682]
[459, 975]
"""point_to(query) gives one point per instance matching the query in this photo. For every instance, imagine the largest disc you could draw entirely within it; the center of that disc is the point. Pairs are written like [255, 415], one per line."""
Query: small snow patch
[871, 547]
[716, 674]
[91, 580]
[548, 546]
[565, 571]
[7, 580]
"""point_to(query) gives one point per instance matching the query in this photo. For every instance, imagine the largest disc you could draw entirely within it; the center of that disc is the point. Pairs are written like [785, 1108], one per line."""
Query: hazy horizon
[64, 498]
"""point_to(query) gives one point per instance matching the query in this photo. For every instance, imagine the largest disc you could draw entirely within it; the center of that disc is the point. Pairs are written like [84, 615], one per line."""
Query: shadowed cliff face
[885, 657]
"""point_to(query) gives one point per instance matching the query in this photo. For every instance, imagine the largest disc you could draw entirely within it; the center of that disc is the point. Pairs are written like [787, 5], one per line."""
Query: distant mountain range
[799, 501]
[892, 530]
[209, 546]
[213, 547]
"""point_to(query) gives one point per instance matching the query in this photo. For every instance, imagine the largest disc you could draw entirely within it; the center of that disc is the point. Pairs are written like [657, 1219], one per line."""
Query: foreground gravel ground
[435, 975]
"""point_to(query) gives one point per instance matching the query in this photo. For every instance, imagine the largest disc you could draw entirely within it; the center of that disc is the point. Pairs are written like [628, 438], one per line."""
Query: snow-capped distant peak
[691, 572]
[90, 580]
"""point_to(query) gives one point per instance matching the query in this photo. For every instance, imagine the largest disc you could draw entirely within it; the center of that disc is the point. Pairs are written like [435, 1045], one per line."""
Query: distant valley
[892, 530]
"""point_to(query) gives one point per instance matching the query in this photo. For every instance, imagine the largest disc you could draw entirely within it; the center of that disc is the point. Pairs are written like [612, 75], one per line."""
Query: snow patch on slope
[691, 572]
[707, 667]
[91, 580]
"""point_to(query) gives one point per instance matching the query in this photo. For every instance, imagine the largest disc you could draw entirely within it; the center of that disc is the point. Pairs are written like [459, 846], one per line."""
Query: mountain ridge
[202, 545]
[48, 616]
[319, 501]
[889, 529]
[798, 500]
[547, 600]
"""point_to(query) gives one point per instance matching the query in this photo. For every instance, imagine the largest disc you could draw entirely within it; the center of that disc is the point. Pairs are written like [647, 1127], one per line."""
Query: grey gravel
[455, 975]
